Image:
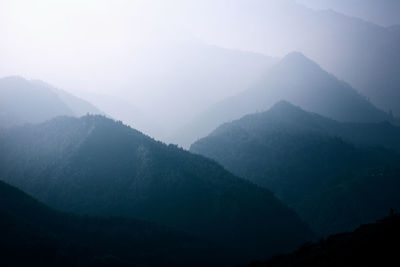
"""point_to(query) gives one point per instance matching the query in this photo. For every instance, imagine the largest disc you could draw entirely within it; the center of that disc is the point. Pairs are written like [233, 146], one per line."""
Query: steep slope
[363, 196]
[79, 106]
[97, 166]
[23, 101]
[295, 79]
[373, 244]
[122, 109]
[298, 155]
[36, 235]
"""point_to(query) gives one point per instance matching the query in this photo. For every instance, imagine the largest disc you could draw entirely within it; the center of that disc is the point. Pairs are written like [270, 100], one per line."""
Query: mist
[199, 133]
[158, 65]
[384, 13]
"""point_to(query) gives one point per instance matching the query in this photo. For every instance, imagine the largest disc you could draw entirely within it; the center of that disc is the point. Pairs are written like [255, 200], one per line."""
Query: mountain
[94, 165]
[124, 110]
[370, 245]
[362, 197]
[298, 80]
[284, 114]
[23, 101]
[378, 12]
[36, 235]
[361, 53]
[301, 157]
[174, 81]
[79, 106]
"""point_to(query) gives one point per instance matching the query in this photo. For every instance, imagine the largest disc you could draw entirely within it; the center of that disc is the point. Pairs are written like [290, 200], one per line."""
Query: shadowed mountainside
[34, 234]
[304, 158]
[94, 165]
[372, 244]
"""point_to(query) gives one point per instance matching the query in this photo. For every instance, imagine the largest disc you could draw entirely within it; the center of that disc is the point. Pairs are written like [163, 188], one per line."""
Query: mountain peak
[299, 61]
[14, 79]
[284, 105]
[285, 109]
[110, 169]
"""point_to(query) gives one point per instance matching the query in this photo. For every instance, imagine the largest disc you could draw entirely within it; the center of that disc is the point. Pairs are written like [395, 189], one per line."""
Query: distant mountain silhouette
[172, 82]
[372, 244]
[79, 106]
[302, 156]
[33, 234]
[295, 79]
[94, 165]
[365, 55]
[23, 101]
[371, 10]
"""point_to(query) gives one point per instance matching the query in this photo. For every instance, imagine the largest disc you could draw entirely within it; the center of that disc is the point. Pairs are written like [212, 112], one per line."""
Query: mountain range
[296, 79]
[96, 166]
[191, 75]
[202, 133]
[361, 53]
[312, 163]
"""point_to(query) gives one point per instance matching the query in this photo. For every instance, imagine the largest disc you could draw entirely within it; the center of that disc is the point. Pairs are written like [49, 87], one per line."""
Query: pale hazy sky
[54, 40]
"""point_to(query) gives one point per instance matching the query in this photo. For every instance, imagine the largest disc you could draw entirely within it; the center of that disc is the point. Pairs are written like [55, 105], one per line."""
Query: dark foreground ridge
[370, 245]
[32, 234]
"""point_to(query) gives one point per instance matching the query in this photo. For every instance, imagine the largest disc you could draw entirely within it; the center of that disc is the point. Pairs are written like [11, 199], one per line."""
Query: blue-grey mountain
[327, 170]
[94, 165]
[295, 79]
[34, 101]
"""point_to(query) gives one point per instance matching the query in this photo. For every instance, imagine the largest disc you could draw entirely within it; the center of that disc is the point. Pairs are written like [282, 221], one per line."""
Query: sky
[57, 40]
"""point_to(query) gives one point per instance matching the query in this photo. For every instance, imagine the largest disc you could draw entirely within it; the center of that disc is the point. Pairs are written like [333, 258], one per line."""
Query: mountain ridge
[298, 80]
[303, 157]
[33, 233]
[111, 169]
[33, 101]
[369, 244]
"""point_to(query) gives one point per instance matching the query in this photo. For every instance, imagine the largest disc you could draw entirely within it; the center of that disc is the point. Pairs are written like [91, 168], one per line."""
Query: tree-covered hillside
[94, 165]
[298, 80]
[32, 234]
[374, 244]
[301, 156]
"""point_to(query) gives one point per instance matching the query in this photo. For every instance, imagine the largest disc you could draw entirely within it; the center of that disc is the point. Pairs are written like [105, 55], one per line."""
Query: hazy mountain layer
[362, 53]
[23, 101]
[301, 156]
[383, 13]
[172, 82]
[97, 166]
[298, 80]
